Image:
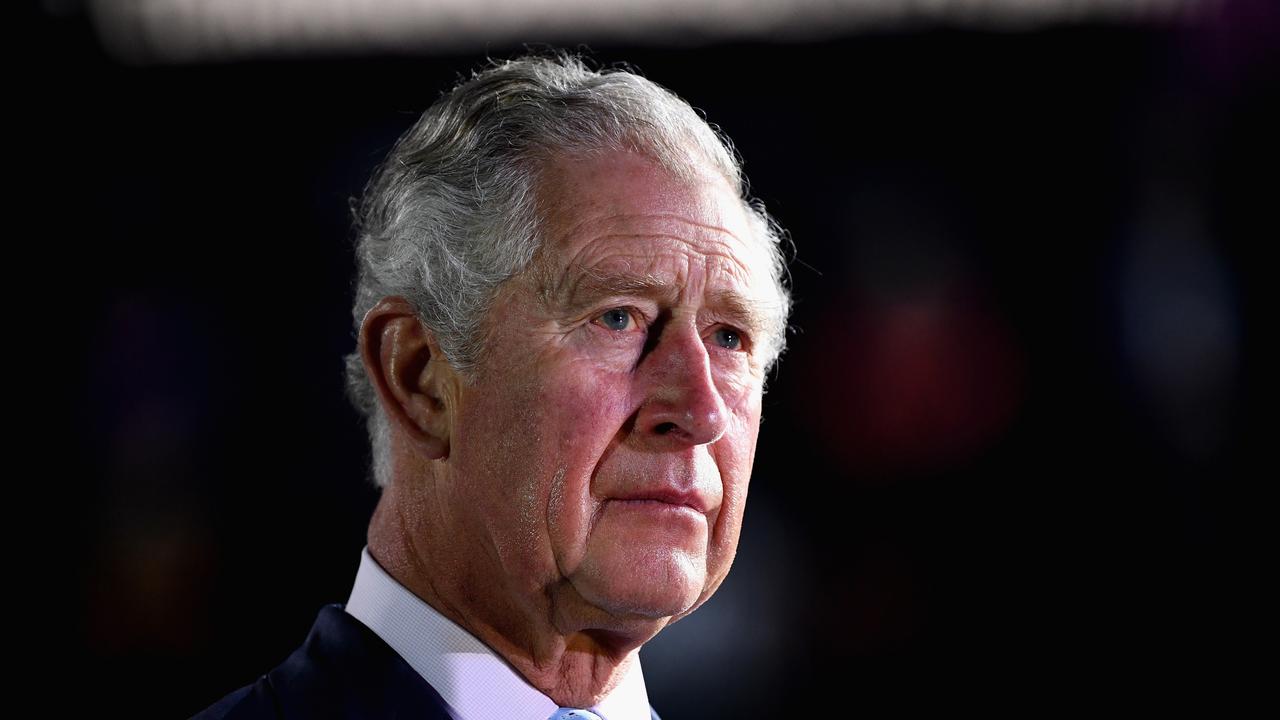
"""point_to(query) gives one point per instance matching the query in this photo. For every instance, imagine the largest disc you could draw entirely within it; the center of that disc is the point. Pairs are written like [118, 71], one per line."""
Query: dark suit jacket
[343, 670]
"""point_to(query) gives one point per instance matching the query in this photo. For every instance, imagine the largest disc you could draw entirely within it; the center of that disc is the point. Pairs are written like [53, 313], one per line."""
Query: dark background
[1007, 463]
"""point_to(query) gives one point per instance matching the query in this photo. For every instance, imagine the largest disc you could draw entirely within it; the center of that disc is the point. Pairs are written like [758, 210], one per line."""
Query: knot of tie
[574, 714]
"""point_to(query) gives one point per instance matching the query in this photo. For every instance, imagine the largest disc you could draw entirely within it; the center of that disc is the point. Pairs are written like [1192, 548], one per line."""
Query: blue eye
[615, 319]
[728, 338]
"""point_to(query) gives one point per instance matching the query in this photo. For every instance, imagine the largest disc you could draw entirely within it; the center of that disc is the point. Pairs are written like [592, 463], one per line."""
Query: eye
[727, 338]
[615, 319]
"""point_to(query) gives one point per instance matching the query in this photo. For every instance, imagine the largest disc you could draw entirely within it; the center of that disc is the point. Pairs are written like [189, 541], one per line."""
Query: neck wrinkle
[573, 667]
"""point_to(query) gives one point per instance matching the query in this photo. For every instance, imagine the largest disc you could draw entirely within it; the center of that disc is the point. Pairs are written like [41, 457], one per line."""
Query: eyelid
[745, 344]
[641, 322]
[638, 318]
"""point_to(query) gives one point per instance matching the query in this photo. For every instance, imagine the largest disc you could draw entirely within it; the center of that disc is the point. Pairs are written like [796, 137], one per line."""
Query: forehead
[624, 215]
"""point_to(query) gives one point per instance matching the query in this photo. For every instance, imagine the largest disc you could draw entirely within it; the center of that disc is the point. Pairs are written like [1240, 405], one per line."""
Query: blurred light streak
[177, 31]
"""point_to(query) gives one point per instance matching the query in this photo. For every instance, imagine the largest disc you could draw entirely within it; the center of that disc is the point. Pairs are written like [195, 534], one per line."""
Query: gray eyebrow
[739, 310]
[590, 284]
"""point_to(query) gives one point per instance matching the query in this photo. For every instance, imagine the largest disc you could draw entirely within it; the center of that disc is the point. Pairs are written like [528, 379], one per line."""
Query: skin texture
[584, 488]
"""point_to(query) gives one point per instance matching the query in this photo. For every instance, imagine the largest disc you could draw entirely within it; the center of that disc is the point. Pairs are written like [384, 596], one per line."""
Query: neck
[572, 653]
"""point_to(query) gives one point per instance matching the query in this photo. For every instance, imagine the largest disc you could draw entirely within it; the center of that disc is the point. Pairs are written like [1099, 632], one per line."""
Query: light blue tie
[574, 714]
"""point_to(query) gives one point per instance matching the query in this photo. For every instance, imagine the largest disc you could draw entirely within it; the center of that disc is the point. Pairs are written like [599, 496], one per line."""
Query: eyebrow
[740, 311]
[589, 286]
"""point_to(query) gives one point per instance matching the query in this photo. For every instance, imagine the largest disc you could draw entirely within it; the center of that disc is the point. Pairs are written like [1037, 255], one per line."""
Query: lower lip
[658, 507]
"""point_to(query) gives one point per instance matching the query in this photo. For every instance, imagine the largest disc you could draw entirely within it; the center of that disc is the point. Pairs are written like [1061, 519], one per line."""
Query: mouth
[659, 512]
[665, 496]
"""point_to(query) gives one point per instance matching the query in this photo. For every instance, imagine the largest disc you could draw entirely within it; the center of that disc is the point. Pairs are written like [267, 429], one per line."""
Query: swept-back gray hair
[452, 212]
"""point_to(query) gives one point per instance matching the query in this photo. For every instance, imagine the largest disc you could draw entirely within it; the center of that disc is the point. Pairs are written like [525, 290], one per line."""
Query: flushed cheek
[734, 486]
[589, 413]
[588, 393]
[734, 456]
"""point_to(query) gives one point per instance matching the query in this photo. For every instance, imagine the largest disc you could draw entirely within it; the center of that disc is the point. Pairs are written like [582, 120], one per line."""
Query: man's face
[600, 457]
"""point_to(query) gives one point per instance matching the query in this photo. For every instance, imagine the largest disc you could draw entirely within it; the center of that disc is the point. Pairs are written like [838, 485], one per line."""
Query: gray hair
[451, 213]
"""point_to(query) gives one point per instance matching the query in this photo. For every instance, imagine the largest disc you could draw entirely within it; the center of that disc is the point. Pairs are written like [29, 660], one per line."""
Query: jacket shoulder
[251, 702]
[343, 670]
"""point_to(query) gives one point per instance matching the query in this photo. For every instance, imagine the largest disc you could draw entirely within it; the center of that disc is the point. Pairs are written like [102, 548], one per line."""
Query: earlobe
[410, 375]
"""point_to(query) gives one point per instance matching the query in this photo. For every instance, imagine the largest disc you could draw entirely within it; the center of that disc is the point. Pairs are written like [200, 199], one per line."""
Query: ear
[415, 384]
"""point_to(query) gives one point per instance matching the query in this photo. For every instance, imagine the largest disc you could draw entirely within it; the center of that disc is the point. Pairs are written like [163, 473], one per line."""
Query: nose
[682, 405]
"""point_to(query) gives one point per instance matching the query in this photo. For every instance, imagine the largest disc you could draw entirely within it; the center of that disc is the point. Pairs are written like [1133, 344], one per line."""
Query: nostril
[664, 428]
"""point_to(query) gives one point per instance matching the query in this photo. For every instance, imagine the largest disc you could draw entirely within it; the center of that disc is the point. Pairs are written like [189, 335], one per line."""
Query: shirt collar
[476, 682]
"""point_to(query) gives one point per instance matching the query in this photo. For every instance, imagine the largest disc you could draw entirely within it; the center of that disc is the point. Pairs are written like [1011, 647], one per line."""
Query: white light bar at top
[176, 31]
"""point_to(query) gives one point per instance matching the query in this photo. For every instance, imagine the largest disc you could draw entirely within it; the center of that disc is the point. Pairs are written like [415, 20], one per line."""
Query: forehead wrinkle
[684, 246]
[578, 227]
[716, 235]
[561, 283]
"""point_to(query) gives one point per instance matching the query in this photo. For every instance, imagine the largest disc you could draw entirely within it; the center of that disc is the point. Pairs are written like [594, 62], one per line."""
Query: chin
[652, 585]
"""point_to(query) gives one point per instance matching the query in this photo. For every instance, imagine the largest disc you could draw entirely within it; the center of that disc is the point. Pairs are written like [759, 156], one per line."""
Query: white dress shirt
[476, 682]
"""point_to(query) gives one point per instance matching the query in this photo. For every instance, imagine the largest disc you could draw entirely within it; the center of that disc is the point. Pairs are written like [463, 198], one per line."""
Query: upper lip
[674, 496]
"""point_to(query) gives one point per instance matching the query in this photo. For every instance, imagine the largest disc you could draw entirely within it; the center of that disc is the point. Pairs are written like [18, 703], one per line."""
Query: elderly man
[566, 308]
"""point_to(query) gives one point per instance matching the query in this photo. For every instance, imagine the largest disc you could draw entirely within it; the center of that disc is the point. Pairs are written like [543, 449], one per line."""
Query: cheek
[586, 409]
[734, 456]
[591, 401]
[495, 467]
[742, 398]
